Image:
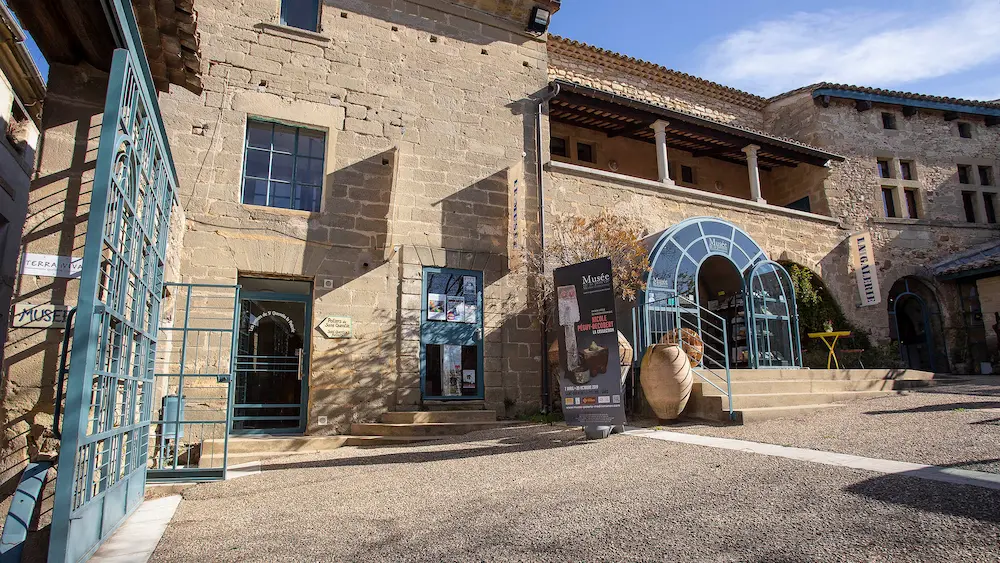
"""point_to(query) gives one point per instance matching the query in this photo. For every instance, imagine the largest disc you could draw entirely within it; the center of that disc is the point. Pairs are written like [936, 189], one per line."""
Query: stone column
[751, 152]
[660, 127]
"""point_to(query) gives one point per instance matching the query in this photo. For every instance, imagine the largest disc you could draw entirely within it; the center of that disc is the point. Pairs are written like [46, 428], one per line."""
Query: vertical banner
[863, 262]
[589, 366]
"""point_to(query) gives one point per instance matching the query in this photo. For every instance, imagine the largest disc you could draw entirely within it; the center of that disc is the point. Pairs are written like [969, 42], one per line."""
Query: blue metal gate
[195, 364]
[106, 429]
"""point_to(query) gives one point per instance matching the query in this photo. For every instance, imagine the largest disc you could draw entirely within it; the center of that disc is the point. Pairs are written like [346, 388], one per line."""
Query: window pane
[883, 169]
[306, 198]
[585, 152]
[281, 167]
[986, 175]
[911, 204]
[970, 206]
[255, 191]
[300, 13]
[963, 174]
[312, 143]
[257, 163]
[888, 205]
[281, 195]
[991, 212]
[558, 146]
[284, 138]
[309, 171]
[905, 171]
[259, 134]
[687, 174]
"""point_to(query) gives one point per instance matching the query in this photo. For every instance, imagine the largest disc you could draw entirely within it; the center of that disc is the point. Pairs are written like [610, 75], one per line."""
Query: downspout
[553, 91]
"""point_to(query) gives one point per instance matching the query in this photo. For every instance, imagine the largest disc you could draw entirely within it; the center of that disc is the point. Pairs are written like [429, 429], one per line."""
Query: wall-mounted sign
[255, 322]
[863, 262]
[336, 327]
[51, 265]
[46, 315]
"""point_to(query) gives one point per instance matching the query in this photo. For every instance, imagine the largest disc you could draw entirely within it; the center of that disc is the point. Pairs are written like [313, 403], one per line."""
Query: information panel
[589, 364]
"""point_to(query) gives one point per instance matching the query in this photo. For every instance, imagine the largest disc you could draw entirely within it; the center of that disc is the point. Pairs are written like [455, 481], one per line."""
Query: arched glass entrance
[709, 272]
[915, 323]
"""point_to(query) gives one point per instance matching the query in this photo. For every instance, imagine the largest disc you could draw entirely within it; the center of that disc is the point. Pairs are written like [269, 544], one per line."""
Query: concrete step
[758, 414]
[824, 374]
[812, 386]
[314, 446]
[742, 402]
[423, 429]
[286, 444]
[463, 405]
[420, 417]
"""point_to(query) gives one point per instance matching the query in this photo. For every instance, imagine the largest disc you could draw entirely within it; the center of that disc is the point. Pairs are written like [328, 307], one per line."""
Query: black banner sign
[589, 364]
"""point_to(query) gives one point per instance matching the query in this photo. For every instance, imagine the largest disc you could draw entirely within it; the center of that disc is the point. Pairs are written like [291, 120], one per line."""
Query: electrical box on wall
[327, 283]
[322, 420]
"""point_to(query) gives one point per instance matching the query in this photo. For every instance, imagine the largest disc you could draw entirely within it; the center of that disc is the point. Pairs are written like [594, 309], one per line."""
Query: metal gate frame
[104, 448]
[197, 348]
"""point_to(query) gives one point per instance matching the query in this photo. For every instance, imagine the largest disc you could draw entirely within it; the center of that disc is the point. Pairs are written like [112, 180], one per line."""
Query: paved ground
[543, 494]
[956, 423]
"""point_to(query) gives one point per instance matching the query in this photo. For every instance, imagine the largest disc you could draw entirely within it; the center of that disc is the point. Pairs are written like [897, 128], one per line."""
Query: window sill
[281, 210]
[899, 221]
[294, 33]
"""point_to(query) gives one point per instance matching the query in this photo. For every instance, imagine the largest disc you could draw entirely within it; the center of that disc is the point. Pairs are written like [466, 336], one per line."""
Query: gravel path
[956, 423]
[541, 493]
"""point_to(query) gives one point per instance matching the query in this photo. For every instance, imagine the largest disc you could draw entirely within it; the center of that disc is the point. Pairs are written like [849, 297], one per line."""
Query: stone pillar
[660, 127]
[751, 152]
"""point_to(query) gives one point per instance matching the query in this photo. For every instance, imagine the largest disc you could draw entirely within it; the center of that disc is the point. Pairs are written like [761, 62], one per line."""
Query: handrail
[61, 374]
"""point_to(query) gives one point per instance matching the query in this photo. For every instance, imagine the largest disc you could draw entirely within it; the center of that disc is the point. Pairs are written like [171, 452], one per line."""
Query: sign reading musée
[590, 367]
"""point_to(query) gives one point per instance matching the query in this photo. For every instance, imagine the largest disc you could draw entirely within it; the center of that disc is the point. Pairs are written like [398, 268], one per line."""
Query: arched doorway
[915, 323]
[710, 274]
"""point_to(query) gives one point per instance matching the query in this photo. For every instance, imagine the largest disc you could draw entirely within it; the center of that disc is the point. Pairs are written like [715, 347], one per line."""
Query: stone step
[423, 429]
[742, 402]
[811, 386]
[823, 374]
[419, 417]
[295, 447]
[264, 443]
[454, 405]
[758, 414]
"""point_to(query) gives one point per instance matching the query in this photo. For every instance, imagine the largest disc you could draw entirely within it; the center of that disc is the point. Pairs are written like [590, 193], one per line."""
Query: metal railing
[668, 317]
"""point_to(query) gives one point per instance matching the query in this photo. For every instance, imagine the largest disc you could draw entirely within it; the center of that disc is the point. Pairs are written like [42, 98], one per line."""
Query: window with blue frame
[283, 166]
[303, 14]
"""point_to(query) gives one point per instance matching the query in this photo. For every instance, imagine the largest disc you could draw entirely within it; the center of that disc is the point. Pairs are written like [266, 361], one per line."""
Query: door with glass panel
[272, 363]
[773, 318]
[451, 335]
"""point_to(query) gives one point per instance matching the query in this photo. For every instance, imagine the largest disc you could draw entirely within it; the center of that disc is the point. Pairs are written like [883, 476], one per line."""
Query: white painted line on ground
[136, 539]
[931, 472]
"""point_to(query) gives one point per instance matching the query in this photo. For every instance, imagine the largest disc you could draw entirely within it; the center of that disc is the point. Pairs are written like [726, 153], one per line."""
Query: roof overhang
[621, 116]
[977, 262]
[824, 94]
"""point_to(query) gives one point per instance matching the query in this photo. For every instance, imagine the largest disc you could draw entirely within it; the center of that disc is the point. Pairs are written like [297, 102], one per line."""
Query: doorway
[720, 290]
[915, 324]
[272, 365]
[451, 335]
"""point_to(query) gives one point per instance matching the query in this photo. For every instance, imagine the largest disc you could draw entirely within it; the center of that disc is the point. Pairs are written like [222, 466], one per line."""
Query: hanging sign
[47, 315]
[336, 327]
[589, 365]
[863, 262]
[51, 265]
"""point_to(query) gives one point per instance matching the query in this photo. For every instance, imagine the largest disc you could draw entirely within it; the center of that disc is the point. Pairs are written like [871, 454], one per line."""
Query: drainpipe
[553, 91]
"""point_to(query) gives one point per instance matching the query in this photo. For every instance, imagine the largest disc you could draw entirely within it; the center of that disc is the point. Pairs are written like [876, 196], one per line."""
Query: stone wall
[604, 70]
[428, 118]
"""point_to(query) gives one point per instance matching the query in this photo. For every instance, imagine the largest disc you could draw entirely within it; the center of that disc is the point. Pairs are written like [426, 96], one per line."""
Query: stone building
[368, 173]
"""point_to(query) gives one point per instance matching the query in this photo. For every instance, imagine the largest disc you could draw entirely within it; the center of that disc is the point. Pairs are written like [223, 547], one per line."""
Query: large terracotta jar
[666, 380]
[625, 355]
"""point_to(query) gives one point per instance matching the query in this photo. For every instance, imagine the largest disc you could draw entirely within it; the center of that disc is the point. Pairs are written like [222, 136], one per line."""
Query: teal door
[451, 335]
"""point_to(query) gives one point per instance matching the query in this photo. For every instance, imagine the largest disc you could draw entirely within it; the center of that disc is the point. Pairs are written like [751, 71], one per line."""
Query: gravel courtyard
[542, 493]
[955, 423]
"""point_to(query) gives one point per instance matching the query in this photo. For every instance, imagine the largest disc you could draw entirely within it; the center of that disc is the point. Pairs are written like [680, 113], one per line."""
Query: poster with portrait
[456, 309]
[435, 307]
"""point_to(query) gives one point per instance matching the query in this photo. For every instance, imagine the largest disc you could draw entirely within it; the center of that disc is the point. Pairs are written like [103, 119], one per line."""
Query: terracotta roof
[977, 258]
[657, 72]
[884, 92]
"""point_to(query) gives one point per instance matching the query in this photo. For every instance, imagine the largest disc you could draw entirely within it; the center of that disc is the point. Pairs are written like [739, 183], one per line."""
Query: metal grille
[102, 464]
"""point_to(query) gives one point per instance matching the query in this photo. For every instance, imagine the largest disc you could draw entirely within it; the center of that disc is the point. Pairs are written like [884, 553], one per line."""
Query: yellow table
[836, 336]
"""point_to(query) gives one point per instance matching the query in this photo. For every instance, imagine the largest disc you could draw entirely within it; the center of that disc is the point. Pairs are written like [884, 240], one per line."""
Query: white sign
[47, 315]
[863, 261]
[336, 327]
[51, 265]
[256, 322]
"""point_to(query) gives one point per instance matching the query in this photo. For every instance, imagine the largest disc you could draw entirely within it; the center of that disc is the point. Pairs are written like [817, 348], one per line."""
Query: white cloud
[869, 47]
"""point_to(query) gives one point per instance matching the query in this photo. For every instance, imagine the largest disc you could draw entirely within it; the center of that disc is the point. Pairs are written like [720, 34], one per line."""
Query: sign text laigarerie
[589, 364]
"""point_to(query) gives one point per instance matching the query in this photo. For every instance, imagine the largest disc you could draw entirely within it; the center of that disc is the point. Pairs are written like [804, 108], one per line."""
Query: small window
[888, 204]
[964, 174]
[558, 146]
[911, 203]
[283, 166]
[888, 120]
[965, 130]
[969, 202]
[303, 14]
[585, 152]
[986, 175]
[687, 174]
[991, 211]
[906, 169]
[884, 169]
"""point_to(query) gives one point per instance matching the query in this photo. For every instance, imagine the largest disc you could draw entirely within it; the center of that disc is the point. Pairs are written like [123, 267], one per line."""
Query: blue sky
[941, 47]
